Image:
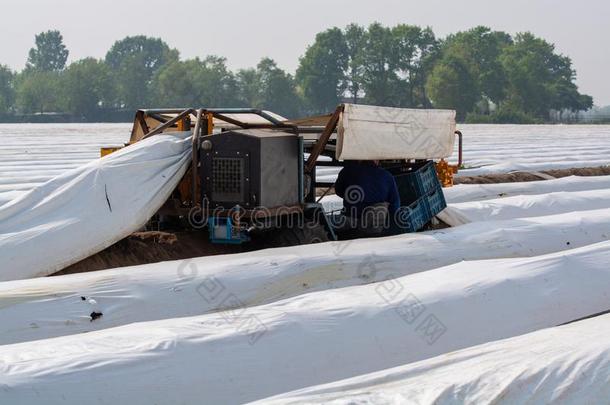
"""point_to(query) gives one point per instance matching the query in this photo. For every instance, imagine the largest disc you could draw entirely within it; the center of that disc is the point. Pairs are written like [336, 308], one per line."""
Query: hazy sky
[244, 31]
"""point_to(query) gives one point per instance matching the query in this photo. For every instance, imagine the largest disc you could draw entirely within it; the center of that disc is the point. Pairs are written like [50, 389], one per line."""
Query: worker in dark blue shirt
[364, 184]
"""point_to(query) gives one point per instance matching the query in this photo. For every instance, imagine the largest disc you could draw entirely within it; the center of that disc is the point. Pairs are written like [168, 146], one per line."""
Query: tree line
[485, 75]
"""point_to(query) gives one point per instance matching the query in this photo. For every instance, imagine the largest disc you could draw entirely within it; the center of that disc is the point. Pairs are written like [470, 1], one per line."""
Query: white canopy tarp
[567, 364]
[371, 132]
[243, 353]
[87, 209]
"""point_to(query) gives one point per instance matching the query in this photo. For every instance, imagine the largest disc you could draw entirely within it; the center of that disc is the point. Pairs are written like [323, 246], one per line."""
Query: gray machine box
[250, 168]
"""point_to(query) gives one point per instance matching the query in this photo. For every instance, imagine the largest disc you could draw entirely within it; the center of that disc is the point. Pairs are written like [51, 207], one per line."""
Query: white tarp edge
[524, 206]
[89, 208]
[372, 132]
[567, 364]
[478, 192]
[247, 353]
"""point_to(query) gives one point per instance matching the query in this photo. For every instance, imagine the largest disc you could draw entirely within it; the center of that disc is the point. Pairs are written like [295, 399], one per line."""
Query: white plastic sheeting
[568, 364]
[50, 307]
[247, 353]
[478, 192]
[31, 154]
[371, 132]
[6, 196]
[504, 148]
[89, 208]
[525, 206]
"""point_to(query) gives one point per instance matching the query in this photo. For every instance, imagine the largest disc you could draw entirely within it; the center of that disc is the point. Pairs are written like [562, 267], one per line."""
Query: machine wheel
[310, 233]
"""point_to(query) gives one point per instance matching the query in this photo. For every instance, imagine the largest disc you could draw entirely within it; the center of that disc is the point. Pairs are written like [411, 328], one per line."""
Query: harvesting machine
[255, 175]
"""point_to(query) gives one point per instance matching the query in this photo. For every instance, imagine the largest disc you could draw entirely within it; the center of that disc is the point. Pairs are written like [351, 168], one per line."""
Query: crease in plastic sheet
[87, 209]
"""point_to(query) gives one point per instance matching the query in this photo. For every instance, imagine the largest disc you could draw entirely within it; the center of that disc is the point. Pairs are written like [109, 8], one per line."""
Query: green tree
[196, 82]
[249, 87]
[380, 60]
[135, 61]
[451, 85]
[427, 50]
[540, 79]
[480, 49]
[37, 91]
[355, 38]
[278, 89]
[49, 54]
[7, 89]
[412, 46]
[217, 83]
[321, 71]
[269, 87]
[176, 84]
[86, 86]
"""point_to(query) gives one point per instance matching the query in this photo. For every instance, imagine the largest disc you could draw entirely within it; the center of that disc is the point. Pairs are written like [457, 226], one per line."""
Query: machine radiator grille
[227, 179]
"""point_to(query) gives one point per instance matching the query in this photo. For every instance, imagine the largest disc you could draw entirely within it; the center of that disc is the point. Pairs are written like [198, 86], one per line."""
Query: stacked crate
[421, 196]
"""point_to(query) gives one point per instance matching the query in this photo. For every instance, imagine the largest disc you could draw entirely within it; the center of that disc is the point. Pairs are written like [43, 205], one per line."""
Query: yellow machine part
[109, 150]
[445, 172]
[184, 124]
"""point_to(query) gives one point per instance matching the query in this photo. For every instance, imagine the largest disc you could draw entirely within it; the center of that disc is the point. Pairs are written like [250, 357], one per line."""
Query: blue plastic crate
[428, 178]
[416, 181]
[413, 217]
[407, 188]
[422, 177]
[222, 230]
[436, 200]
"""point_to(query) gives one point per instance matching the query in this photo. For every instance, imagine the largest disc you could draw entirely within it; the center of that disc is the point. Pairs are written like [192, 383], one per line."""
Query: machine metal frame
[315, 137]
[321, 127]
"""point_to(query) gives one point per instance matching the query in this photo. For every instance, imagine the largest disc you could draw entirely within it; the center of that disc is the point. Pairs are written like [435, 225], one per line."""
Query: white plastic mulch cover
[567, 364]
[371, 132]
[479, 192]
[48, 307]
[242, 353]
[524, 206]
[89, 208]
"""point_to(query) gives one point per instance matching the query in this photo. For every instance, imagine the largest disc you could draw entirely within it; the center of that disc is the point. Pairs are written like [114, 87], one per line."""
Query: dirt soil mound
[153, 247]
[532, 176]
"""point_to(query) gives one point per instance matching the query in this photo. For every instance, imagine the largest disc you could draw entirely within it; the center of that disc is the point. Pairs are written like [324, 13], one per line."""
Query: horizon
[260, 23]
